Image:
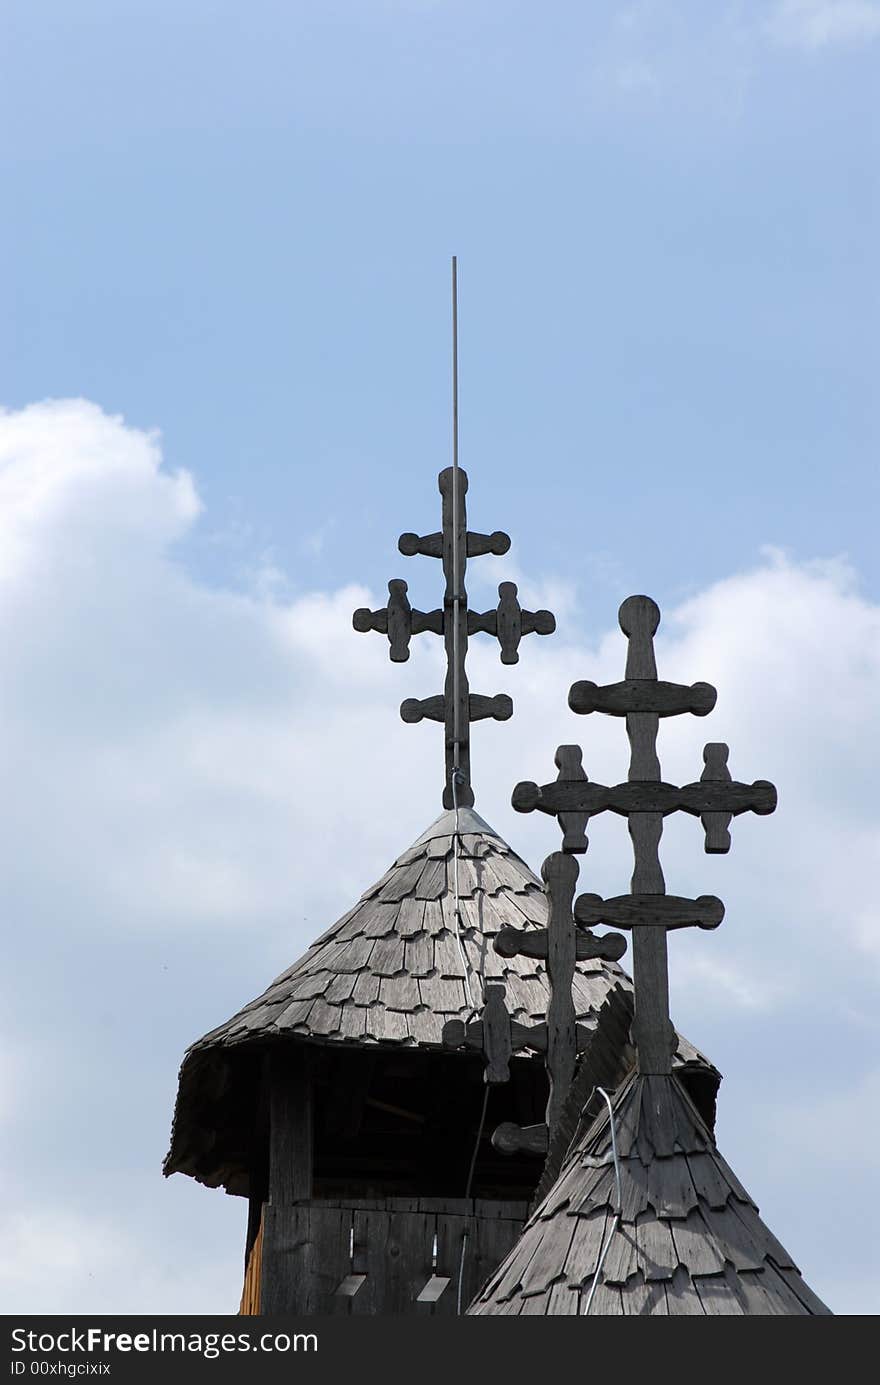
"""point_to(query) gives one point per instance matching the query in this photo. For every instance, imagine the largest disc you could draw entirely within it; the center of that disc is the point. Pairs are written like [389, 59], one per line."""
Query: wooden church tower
[380, 1106]
[456, 1100]
[350, 1103]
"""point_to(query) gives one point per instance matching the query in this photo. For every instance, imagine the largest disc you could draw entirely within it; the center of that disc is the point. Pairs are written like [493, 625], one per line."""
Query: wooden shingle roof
[391, 972]
[689, 1240]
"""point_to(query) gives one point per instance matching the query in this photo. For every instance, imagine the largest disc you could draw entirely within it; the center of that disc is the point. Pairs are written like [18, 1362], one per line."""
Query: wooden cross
[644, 800]
[561, 945]
[456, 706]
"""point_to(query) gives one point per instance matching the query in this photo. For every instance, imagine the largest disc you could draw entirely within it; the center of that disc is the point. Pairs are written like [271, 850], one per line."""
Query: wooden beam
[657, 910]
[533, 942]
[509, 1138]
[290, 1125]
[707, 796]
[560, 873]
[457, 1034]
[632, 695]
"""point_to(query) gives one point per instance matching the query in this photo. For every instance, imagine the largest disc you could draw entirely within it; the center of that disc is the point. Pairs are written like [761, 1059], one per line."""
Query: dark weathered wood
[408, 1261]
[509, 1138]
[569, 762]
[398, 621]
[429, 545]
[499, 707]
[496, 1035]
[457, 1034]
[653, 1033]
[371, 1259]
[493, 1238]
[649, 910]
[478, 545]
[657, 1254]
[639, 695]
[285, 1257]
[258, 1171]
[456, 707]
[337, 973]
[567, 796]
[645, 830]
[645, 800]
[666, 1248]
[480, 708]
[716, 825]
[509, 622]
[416, 709]
[560, 873]
[533, 942]
[682, 1299]
[290, 1126]
[644, 763]
[639, 618]
[695, 1245]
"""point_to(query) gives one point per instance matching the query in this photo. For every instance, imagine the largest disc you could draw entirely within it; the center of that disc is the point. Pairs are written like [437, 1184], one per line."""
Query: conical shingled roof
[390, 972]
[689, 1241]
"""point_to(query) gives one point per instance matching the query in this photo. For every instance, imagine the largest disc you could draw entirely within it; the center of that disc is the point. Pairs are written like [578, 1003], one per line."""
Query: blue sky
[237, 229]
[233, 225]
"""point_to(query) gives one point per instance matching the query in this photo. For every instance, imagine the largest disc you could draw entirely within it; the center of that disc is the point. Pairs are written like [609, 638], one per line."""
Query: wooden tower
[352, 1104]
[637, 1212]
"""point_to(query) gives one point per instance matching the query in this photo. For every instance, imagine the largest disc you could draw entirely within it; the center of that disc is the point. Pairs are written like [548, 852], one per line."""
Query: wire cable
[615, 1221]
[473, 1001]
[467, 1193]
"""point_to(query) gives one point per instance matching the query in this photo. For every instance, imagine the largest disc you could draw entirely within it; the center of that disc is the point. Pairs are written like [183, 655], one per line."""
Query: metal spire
[456, 707]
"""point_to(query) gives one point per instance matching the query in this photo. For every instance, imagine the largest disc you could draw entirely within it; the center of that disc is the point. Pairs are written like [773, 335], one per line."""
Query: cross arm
[640, 910]
[509, 622]
[642, 695]
[480, 707]
[398, 620]
[716, 821]
[431, 545]
[645, 797]
[458, 1034]
[492, 1033]
[498, 1036]
[509, 1138]
[641, 690]
[534, 942]
[723, 799]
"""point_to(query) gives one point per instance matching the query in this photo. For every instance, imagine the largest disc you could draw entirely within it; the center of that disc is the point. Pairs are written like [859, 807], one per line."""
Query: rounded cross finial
[639, 615]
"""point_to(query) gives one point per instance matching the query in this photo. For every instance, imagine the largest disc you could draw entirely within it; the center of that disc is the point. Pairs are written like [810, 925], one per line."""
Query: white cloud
[55, 1260]
[843, 1110]
[740, 985]
[203, 779]
[814, 24]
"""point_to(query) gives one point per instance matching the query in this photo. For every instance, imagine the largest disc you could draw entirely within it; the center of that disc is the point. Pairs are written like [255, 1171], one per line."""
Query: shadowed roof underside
[390, 972]
[689, 1241]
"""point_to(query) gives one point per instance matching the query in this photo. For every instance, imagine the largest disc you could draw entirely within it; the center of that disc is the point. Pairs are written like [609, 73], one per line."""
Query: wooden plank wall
[307, 1252]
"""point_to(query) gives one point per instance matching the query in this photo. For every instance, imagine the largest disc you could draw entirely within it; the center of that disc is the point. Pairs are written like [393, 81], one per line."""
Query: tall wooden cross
[456, 706]
[644, 800]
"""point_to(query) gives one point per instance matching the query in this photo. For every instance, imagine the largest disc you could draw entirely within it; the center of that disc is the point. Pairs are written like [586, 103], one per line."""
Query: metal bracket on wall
[437, 1283]
[355, 1278]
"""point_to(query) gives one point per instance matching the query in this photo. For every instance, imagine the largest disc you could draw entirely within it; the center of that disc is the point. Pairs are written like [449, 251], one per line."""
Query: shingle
[399, 992]
[684, 1244]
